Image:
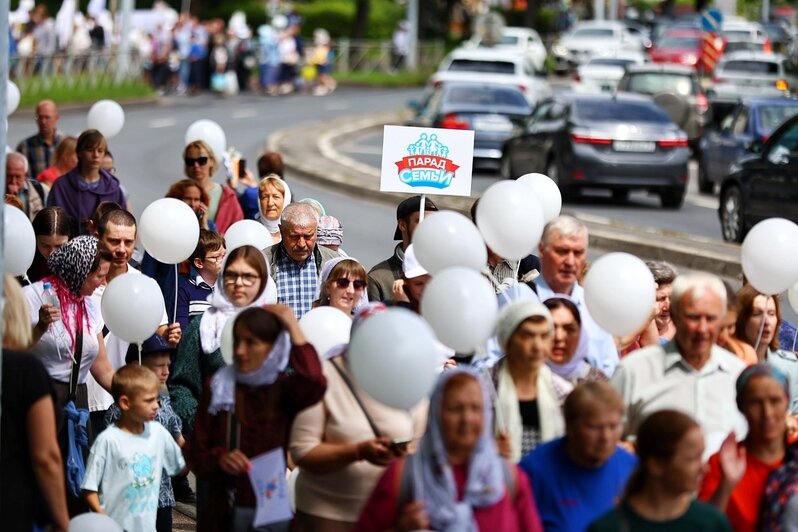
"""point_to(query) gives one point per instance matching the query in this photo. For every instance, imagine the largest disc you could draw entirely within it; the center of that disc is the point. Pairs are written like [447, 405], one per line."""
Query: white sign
[267, 477]
[420, 160]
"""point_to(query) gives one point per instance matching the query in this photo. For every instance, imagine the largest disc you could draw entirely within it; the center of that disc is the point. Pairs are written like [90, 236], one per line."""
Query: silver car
[752, 74]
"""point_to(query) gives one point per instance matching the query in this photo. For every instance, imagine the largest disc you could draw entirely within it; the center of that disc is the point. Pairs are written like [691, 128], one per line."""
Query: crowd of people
[688, 424]
[178, 54]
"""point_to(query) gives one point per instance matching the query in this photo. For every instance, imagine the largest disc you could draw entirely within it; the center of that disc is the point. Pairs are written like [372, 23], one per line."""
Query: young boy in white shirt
[123, 474]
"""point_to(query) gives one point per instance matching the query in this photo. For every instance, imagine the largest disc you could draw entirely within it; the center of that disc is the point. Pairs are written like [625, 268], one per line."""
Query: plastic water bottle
[49, 297]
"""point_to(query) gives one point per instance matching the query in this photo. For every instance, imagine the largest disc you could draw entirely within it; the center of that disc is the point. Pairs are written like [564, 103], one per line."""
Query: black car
[762, 185]
[489, 109]
[620, 142]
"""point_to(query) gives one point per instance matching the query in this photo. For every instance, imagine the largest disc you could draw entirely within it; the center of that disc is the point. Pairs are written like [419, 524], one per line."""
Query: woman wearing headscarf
[342, 285]
[244, 282]
[343, 443]
[568, 357]
[248, 408]
[737, 473]
[69, 341]
[53, 228]
[273, 195]
[456, 481]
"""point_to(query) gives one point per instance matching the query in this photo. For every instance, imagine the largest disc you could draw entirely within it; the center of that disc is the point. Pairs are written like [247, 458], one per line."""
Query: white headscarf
[571, 370]
[273, 225]
[326, 269]
[221, 309]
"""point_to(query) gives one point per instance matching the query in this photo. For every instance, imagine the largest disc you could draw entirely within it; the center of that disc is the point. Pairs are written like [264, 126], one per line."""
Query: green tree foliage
[338, 17]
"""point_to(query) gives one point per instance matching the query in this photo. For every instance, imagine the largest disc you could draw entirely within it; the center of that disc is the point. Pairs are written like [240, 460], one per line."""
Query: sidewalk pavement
[309, 150]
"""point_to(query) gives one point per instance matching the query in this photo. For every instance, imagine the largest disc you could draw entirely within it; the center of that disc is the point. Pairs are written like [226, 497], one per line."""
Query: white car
[573, 48]
[737, 30]
[603, 71]
[752, 74]
[493, 66]
[525, 41]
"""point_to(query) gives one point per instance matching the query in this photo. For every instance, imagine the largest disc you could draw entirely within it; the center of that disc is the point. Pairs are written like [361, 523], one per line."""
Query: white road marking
[162, 122]
[244, 113]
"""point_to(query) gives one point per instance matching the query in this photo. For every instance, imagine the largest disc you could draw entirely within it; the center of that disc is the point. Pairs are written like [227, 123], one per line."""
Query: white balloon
[326, 327]
[547, 192]
[12, 98]
[510, 218]
[210, 132]
[394, 359]
[132, 307]
[769, 255]
[107, 117]
[247, 232]
[792, 296]
[449, 239]
[91, 522]
[19, 239]
[620, 293]
[169, 230]
[461, 307]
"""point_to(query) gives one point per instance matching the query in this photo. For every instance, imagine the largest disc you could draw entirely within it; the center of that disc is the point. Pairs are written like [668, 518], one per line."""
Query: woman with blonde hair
[200, 164]
[65, 158]
[342, 285]
[273, 195]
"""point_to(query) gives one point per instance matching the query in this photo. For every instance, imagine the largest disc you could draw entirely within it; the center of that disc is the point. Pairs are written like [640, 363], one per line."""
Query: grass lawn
[33, 90]
[383, 79]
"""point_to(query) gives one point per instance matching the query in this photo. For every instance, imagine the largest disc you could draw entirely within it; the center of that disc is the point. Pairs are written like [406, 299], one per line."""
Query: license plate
[634, 146]
[492, 124]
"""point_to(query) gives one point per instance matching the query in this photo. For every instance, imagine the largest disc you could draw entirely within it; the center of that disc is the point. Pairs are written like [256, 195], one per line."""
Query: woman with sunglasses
[342, 285]
[200, 165]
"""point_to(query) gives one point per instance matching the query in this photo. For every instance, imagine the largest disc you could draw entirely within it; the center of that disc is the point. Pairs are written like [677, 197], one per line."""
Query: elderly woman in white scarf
[569, 355]
[342, 285]
[529, 394]
[248, 409]
[456, 481]
[244, 282]
[273, 195]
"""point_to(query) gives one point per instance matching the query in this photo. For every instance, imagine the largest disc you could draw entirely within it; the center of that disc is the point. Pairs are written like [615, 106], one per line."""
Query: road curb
[318, 161]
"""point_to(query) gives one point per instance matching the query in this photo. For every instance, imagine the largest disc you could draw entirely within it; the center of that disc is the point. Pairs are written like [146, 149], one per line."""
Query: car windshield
[486, 96]
[772, 116]
[619, 111]
[679, 42]
[611, 61]
[488, 67]
[742, 46]
[751, 67]
[736, 34]
[654, 82]
[775, 31]
[585, 33]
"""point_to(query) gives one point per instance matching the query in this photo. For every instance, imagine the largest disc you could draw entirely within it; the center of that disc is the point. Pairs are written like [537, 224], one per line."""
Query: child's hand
[234, 463]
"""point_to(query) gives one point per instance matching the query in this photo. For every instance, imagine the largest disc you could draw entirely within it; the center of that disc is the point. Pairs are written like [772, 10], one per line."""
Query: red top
[49, 175]
[521, 515]
[264, 414]
[229, 210]
[746, 499]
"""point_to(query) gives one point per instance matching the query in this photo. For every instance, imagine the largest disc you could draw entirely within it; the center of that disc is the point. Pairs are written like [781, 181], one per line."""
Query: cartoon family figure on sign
[427, 164]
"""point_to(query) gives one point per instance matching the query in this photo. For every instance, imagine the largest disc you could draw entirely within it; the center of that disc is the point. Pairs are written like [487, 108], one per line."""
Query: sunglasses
[343, 282]
[202, 161]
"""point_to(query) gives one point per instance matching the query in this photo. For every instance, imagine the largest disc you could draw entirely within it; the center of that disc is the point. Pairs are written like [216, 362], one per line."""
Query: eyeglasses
[247, 279]
[217, 259]
[343, 282]
[190, 161]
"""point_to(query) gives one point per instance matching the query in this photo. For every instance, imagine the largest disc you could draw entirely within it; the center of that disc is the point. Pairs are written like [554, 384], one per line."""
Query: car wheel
[732, 214]
[705, 186]
[620, 194]
[672, 198]
[505, 168]
[554, 174]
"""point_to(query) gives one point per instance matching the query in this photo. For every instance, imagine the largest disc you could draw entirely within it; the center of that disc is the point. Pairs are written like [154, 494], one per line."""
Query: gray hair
[17, 155]
[696, 284]
[300, 215]
[563, 225]
[663, 272]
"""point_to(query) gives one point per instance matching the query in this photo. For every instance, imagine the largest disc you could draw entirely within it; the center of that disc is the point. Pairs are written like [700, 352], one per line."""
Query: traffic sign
[711, 19]
[711, 50]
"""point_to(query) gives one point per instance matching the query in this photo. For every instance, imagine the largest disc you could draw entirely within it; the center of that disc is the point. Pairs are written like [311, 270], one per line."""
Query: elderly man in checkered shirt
[296, 261]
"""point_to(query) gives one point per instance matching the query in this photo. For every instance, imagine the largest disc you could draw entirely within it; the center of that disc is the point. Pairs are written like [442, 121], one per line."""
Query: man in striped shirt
[40, 148]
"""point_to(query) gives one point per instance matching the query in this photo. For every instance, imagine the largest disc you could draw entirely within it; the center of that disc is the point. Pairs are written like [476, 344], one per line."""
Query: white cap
[410, 266]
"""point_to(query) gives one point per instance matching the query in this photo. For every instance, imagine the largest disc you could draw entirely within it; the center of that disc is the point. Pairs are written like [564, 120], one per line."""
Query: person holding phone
[343, 443]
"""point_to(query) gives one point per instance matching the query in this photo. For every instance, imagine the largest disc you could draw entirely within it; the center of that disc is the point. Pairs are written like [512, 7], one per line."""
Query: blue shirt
[192, 300]
[569, 497]
[296, 283]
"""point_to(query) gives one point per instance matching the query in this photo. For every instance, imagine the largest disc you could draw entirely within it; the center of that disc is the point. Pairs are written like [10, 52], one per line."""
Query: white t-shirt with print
[126, 470]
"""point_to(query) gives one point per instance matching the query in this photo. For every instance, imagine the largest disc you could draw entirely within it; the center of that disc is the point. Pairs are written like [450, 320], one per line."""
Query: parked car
[677, 90]
[524, 41]
[762, 185]
[489, 109]
[492, 66]
[752, 74]
[620, 142]
[742, 132]
[603, 71]
[573, 48]
[678, 47]
[744, 30]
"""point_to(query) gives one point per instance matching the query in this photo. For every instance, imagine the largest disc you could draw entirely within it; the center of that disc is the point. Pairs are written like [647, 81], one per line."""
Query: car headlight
[559, 49]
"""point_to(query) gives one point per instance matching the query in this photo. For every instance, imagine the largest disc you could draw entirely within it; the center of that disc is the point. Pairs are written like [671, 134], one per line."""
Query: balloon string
[139, 354]
[174, 310]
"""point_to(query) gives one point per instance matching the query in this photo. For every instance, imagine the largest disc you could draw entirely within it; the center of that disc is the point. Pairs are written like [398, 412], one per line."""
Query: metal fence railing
[351, 55]
[93, 69]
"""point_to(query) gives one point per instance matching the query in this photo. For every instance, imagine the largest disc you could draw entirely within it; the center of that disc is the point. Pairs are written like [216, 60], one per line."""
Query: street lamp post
[412, 18]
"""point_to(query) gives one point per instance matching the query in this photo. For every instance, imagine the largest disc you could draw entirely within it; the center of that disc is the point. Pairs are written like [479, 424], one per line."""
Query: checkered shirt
[40, 155]
[296, 283]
